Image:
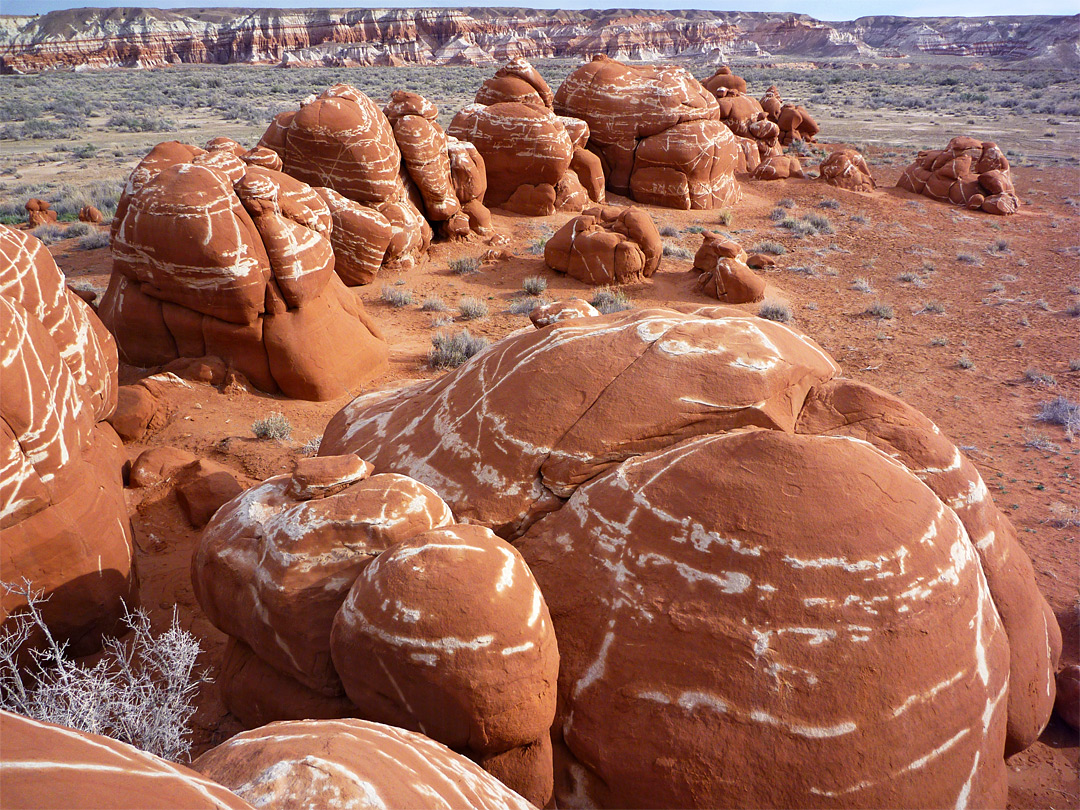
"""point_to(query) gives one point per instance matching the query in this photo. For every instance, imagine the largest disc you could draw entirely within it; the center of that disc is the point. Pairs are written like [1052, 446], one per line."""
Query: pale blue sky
[821, 9]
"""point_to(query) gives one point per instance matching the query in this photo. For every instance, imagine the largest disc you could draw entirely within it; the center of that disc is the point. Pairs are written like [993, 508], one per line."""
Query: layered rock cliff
[146, 37]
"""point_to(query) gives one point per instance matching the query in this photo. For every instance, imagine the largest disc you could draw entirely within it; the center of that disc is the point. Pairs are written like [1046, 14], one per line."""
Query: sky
[821, 9]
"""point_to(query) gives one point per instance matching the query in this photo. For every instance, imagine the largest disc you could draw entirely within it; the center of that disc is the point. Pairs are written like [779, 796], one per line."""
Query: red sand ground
[1007, 314]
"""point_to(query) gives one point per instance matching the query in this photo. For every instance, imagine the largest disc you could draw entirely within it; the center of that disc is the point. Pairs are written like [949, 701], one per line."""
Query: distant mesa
[64, 520]
[215, 255]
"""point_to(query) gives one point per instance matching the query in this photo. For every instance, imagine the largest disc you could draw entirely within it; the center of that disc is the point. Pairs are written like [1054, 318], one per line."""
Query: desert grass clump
[999, 247]
[77, 229]
[607, 300]
[311, 446]
[880, 310]
[1060, 411]
[778, 215]
[1033, 440]
[49, 234]
[820, 222]
[472, 309]
[775, 311]
[1038, 377]
[534, 285]
[862, 285]
[859, 219]
[965, 362]
[676, 252]
[968, 258]
[273, 426]
[695, 229]
[141, 692]
[526, 304]
[769, 247]
[450, 351]
[466, 265]
[726, 218]
[536, 247]
[432, 304]
[829, 204]
[396, 297]
[1063, 516]
[94, 240]
[669, 230]
[939, 341]
[786, 202]
[933, 307]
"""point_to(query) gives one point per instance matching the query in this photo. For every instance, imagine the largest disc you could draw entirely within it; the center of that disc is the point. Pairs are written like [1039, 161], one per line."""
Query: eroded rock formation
[536, 161]
[358, 764]
[846, 168]
[796, 124]
[606, 245]
[723, 271]
[778, 167]
[657, 132]
[967, 172]
[62, 510]
[752, 589]
[213, 255]
[757, 136]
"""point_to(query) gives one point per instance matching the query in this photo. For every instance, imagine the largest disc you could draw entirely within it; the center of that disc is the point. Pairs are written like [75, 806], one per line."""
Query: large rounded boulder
[657, 133]
[606, 245]
[62, 511]
[44, 765]
[967, 172]
[213, 255]
[672, 477]
[351, 763]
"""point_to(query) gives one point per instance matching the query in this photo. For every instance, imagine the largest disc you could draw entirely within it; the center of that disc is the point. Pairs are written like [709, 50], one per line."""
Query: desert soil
[1000, 309]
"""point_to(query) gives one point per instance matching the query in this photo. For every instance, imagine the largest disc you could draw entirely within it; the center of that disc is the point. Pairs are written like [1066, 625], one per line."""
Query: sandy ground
[1006, 313]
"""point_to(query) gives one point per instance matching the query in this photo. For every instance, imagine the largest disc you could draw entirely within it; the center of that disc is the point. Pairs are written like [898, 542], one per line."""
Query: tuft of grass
[771, 248]
[880, 310]
[1064, 516]
[669, 230]
[778, 215]
[49, 234]
[907, 278]
[939, 341]
[94, 240]
[998, 248]
[1033, 440]
[534, 285]
[472, 309]
[727, 217]
[273, 426]
[820, 222]
[77, 229]
[1060, 411]
[862, 285]
[968, 258]
[786, 202]
[775, 311]
[433, 304]
[608, 300]
[536, 248]
[311, 446]
[934, 307]
[450, 351]
[695, 229]
[466, 265]
[676, 252]
[859, 219]
[829, 203]
[397, 297]
[526, 304]
[965, 362]
[1037, 377]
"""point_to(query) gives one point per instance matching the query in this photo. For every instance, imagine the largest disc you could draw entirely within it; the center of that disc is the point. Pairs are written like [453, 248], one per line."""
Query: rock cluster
[606, 245]
[39, 212]
[359, 595]
[756, 135]
[536, 161]
[216, 255]
[90, 214]
[847, 169]
[724, 273]
[657, 132]
[967, 172]
[796, 124]
[663, 472]
[65, 524]
[350, 763]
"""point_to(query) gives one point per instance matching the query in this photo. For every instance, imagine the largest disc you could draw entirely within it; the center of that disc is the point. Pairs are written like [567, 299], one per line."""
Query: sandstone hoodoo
[536, 161]
[480, 677]
[39, 212]
[657, 132]
[847, 169]
[757, 136]
[44, 765]
[723, 271]
[350, 603]
[796, 124]
[90, 214]
[967, 172]
[606, 245]
[62, 511]
[216, 256]
[778, 167]
[604, 500]
[351, 763]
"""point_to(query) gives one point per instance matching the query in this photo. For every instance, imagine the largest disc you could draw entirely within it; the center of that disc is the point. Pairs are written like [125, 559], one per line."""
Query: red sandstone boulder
[723, 272]
[361, 237]
[657, 132]
[298, 542]
[966, 172]
[424, 151]
[771, 103]
[606, 245]
[778, 167]
[479, 678]
[725, 80]
[561, 311]
[536, 161]
[758, 136]
[202, 488]
[214, 256]
[39, 212]
[90, 214]
[760, 261]
[351, 763]
[677, 506]
[62, 511]
[796, 124]
[157, 465]
[48, 766]
[847, 169]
